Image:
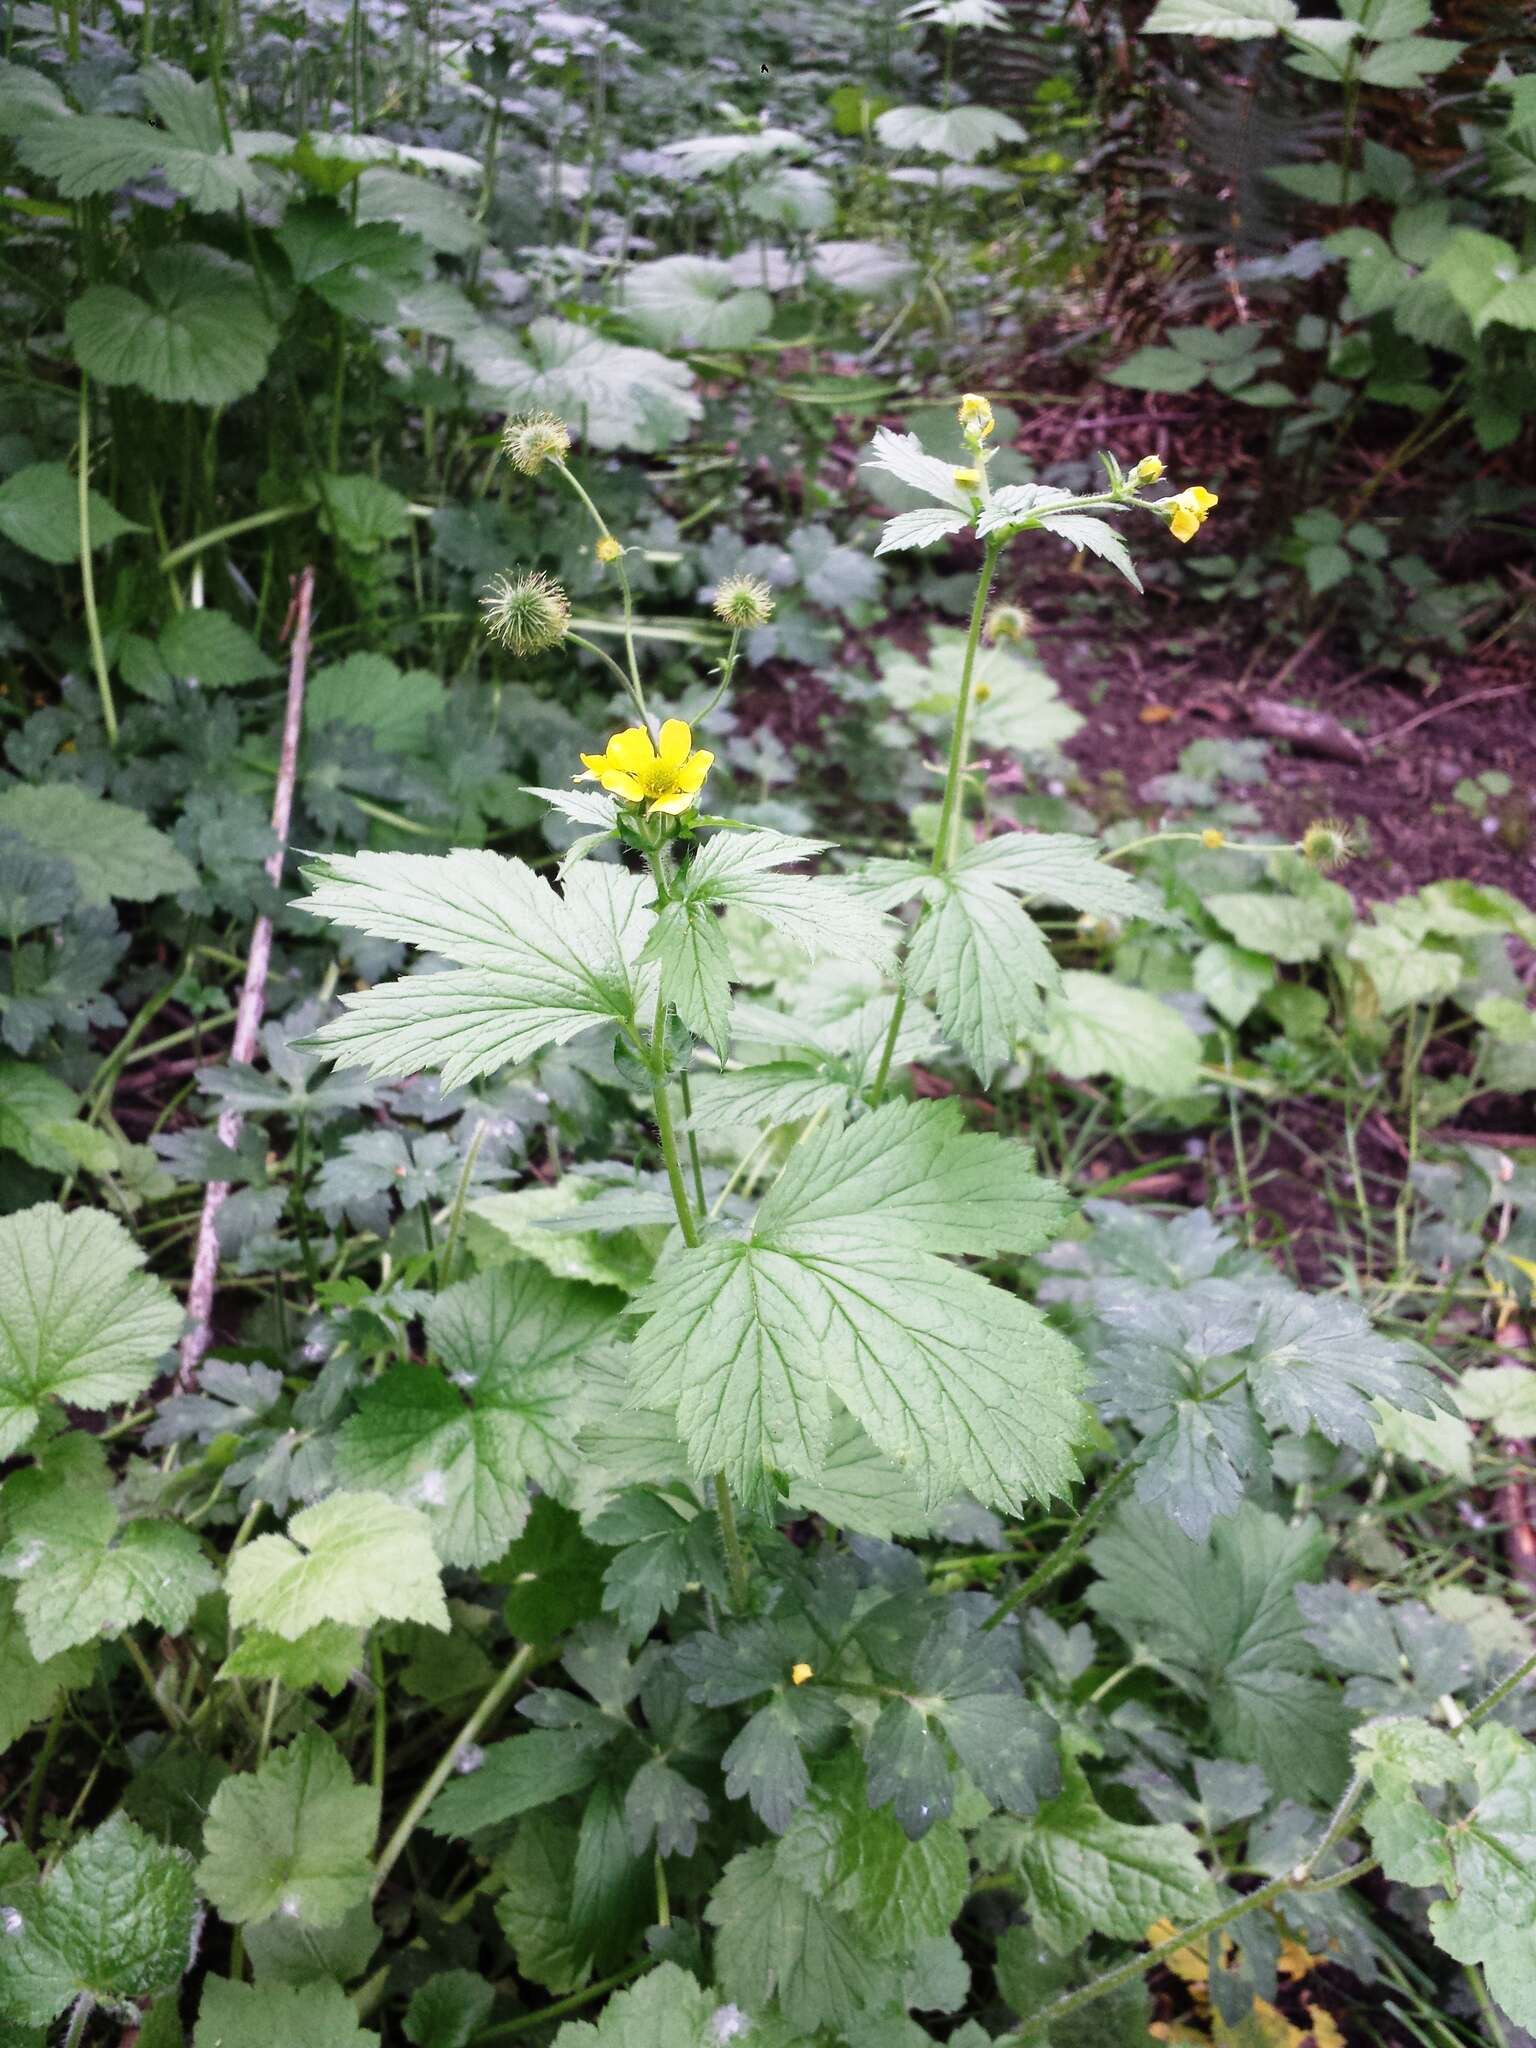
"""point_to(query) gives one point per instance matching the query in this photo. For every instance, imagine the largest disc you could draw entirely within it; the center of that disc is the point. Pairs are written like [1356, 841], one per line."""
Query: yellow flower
[1187, 510]
[799, 1673]
[1213, 838]
[975, 415]
[1148, 470]
[608, 549]
[967, 479]
[665, 778]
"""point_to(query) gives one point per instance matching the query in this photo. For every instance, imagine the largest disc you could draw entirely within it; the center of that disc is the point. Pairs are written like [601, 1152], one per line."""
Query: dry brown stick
[253, 992]
[1398, 732]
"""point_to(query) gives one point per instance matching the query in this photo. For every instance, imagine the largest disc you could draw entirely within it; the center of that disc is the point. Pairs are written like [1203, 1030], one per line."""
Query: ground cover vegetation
[766, 1204]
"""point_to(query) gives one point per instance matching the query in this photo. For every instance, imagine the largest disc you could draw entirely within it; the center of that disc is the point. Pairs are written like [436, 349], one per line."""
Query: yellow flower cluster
[975, 416]
[665, 775]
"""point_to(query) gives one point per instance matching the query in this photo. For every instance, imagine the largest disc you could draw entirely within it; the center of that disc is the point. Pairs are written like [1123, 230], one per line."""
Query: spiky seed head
[1006, 622]
[528, 614]
[532, 439]
[1327, 844]
[743, 601]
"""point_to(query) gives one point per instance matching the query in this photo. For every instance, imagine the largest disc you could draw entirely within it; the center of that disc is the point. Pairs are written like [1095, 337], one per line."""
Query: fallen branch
[1398, 732]
[1313, 732]
[253, 992]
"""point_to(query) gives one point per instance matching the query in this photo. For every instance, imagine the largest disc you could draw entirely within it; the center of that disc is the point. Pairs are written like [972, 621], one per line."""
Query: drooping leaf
[776, 1940]
[840, 1291]
[40, 511]
[81, 1575]
[963, 133]
[1086, 1873]
[30, 1687]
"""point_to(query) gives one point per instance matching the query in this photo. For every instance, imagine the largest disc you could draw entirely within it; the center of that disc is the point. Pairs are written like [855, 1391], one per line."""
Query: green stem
[40, 1774]
[88, 573]
[85, 2005]
[380, 1709]
[579, 640]
[529, 2021]
[1067, 1549]
[460, 1195]
[1492, 2024]
[955, 776]
[249, 524]
[727, 670]
[953, 781]
[730, 1542]
[1501, 1692]
[172, 1715]
[516, 1671]
[695, 1164]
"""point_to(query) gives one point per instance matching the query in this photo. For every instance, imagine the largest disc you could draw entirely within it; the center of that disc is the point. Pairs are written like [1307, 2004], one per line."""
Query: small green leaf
[112, 1921]
[294, 1838]
[40, 511]
[114, 852]
[1085, 1873]
[264, 2015]
[213, 648]
[666, 2007]
[79, 1321]
[1097, 1025]
[356, 1558]
[776, 1940]
[449, 2010]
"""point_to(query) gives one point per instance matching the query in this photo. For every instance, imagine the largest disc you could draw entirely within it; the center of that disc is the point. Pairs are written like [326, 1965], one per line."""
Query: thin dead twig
[253, 992]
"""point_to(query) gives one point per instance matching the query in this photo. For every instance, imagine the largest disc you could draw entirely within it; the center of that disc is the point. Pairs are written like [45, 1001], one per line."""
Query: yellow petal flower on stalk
[1213, 837]
[975, 415]
[800, 1673]
[1187, 510]
[665, 775]
[967, 479]
[608, 549]
[1148, 470]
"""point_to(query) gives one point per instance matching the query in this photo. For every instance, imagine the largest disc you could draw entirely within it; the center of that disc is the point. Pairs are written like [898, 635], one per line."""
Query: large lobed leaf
[534, 967]
[840, 1291]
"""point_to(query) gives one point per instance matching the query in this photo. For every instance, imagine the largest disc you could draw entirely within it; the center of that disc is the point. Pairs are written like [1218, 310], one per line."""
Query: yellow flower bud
[967, 479]
[975, 416]
[608, 549]
[1148, 470]
[1213, 838]
[800, 1673]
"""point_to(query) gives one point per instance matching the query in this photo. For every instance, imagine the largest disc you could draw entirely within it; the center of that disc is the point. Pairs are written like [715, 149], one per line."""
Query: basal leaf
[294, 1837]
[80, 1322]
[199, 332]
[356, 1558]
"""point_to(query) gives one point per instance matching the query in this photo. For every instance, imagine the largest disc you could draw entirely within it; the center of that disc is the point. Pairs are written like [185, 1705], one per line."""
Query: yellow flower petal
[671, 806]
[618, 783]
[632, 749]
[692, 773]
[676, 739]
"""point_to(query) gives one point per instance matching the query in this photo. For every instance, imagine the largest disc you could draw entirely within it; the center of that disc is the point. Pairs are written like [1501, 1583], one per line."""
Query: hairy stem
[1050, 1567]
[949, 809]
